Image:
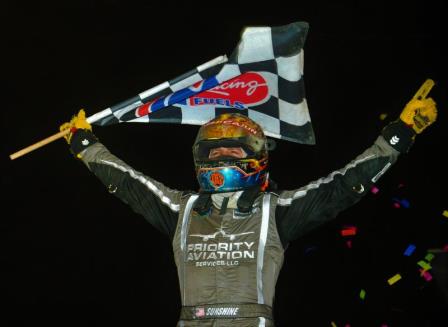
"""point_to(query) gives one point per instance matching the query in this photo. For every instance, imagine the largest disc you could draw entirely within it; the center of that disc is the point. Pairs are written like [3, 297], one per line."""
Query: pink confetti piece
[349, 244]
[425, 274]
[445, 248]
[374, 190]
[396, 205]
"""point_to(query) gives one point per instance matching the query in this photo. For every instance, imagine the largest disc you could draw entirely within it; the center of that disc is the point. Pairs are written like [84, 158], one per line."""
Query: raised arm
[156, 202]
[300, 211]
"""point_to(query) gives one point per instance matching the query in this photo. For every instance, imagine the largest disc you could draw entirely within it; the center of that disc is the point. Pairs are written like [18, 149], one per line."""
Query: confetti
[383, 116]
[409, 250]
[349, 244]
[426, 266]
[348, 231]
[362, 294]
[398, 203]
[425, 274]
[445, 213]
[445, 248]
[405, 203]
[394, 279]
[374, 189]
[429, 257]
[333, 324]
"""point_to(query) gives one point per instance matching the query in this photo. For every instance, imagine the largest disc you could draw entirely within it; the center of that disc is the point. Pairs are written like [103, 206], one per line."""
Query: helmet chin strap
[203, 204]
[247, 199]
[241, 200]
[219, 198]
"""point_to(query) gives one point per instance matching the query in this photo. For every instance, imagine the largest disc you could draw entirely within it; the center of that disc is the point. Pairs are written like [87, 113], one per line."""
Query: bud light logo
[240, 92]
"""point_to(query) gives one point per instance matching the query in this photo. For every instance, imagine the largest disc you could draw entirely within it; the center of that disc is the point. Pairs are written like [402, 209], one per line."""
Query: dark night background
[73, 252]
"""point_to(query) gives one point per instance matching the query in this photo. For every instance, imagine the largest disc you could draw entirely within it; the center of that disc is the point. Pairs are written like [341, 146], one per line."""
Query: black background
[73, 252]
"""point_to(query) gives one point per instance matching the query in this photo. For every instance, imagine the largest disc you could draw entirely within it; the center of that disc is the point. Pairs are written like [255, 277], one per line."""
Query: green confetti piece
[429, 257]
[362, 294]
[394, 279]
[426, 266]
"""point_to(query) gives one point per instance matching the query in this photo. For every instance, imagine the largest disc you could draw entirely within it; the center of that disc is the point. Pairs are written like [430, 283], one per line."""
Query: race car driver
[229, 237]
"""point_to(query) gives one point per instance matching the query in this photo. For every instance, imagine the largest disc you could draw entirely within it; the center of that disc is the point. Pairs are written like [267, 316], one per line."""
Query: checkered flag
[262, 79]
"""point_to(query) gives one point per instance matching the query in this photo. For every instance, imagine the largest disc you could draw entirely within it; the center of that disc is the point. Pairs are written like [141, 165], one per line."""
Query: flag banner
[263, 79]
[113, 115]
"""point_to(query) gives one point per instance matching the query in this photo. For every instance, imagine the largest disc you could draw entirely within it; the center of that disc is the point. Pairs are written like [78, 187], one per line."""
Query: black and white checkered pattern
[276, 53]
[117, 113]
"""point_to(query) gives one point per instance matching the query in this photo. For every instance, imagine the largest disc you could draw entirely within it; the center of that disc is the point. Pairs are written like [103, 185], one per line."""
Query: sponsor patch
[240, 92]
[217, 179]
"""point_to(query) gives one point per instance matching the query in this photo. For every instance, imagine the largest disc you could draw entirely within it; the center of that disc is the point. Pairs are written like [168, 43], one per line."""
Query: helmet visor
[229, 133]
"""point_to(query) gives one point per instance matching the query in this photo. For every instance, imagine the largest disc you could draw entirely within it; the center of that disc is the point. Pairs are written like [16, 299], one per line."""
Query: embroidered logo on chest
[221, 248]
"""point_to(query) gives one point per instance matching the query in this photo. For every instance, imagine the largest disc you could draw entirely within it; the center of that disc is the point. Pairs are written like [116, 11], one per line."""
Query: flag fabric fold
[263, 79]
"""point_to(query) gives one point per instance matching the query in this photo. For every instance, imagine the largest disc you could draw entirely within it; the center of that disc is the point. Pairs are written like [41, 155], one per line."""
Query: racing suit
[228, 262]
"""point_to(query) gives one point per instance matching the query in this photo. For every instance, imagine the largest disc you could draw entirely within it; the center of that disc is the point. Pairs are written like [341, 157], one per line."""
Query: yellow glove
[77, 122]
[419, 114]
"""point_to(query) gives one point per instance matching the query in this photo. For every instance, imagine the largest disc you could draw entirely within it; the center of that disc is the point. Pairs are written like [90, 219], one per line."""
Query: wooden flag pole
[39, 144]
[108, 111]
[28, 149]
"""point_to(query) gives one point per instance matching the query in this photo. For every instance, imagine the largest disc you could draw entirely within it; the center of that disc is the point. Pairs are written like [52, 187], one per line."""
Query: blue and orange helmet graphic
[226, 173]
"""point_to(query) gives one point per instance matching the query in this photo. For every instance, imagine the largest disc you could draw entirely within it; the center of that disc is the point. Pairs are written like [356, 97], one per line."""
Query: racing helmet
[227, 173]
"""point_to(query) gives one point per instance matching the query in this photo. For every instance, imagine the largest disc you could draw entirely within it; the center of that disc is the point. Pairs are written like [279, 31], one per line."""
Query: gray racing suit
[228, 262]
